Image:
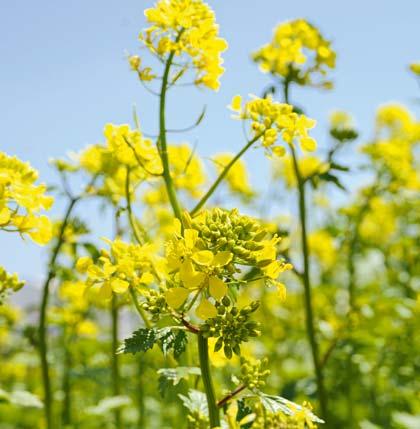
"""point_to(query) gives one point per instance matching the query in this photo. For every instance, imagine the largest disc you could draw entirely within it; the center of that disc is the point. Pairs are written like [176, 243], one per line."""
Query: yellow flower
[126, 265]
[21, 200]
[271, 120]
[188, 29]
[298, 52]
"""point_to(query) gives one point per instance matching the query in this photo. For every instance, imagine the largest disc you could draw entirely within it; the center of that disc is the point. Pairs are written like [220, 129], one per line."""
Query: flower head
[186, 29]
[299, 53]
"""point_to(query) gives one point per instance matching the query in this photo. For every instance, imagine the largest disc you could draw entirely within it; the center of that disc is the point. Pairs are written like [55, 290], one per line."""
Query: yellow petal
[222, 258]
[203, 257]
[308, 144]
[281, 288]
[147, 278]
[206, 310]
[4, 215]
[176, 296]
[83, 264]
[105, 292]
[217, 288]
[119, 285]
[190, 236]
[236, 103]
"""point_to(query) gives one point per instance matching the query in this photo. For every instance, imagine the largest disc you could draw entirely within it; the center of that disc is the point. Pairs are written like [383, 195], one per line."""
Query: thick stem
[223, 174]
[203, 353]
[42, 324]
[116, 390]
[162, 144]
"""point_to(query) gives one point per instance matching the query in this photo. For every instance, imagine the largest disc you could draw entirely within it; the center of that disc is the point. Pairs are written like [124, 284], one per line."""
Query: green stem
[162, 143]
[116, 390]
[140, 310]
[309, 313]
[42, 324]
[66, 413]
[223, 174]
[203, 352]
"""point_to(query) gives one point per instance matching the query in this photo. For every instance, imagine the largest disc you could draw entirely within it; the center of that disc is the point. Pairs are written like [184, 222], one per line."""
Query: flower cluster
[342, 126]
[9, 282]
[254, 373]
[124, 149]
[393, 148]
[186, 29]
[298, 52]
[21, 200]
[231, 326]
[213, 247]
[302, 418]
[271, 119]
[126, 265]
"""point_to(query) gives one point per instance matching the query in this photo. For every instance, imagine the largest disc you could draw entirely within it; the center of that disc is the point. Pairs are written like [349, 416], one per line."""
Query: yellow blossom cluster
[237, 177]
[124, 149]
[187, 30]
[125, 265]
[393, 148]
[9, 282]
[21, 200]
[205, 258]
[298, 52]
[270, 119]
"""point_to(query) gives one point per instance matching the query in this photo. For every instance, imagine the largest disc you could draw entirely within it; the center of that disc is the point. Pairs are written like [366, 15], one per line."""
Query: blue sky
[64, 75]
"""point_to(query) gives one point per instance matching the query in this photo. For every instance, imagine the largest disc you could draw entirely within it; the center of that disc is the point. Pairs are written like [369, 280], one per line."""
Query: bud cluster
[254, 373]
[9, 281]
[196, 420]
[231, 326]
[155, 304]
[230, 231]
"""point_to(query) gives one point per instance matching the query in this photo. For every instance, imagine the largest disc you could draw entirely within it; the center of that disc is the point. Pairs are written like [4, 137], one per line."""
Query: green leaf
[328, 177]
[140, 341]
[170, 339]
[277, 404]
[172, 376]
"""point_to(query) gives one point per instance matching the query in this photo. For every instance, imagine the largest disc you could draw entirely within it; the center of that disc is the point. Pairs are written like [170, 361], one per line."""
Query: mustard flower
[125, 266]
[212, 249]
[298, 52]
[271, 120]
[21, 200]
[187, 29]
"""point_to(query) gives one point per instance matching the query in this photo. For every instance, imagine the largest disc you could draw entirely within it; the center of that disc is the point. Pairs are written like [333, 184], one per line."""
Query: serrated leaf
[172, 340]
[275, 404]
[172, 376]
[140, 341]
